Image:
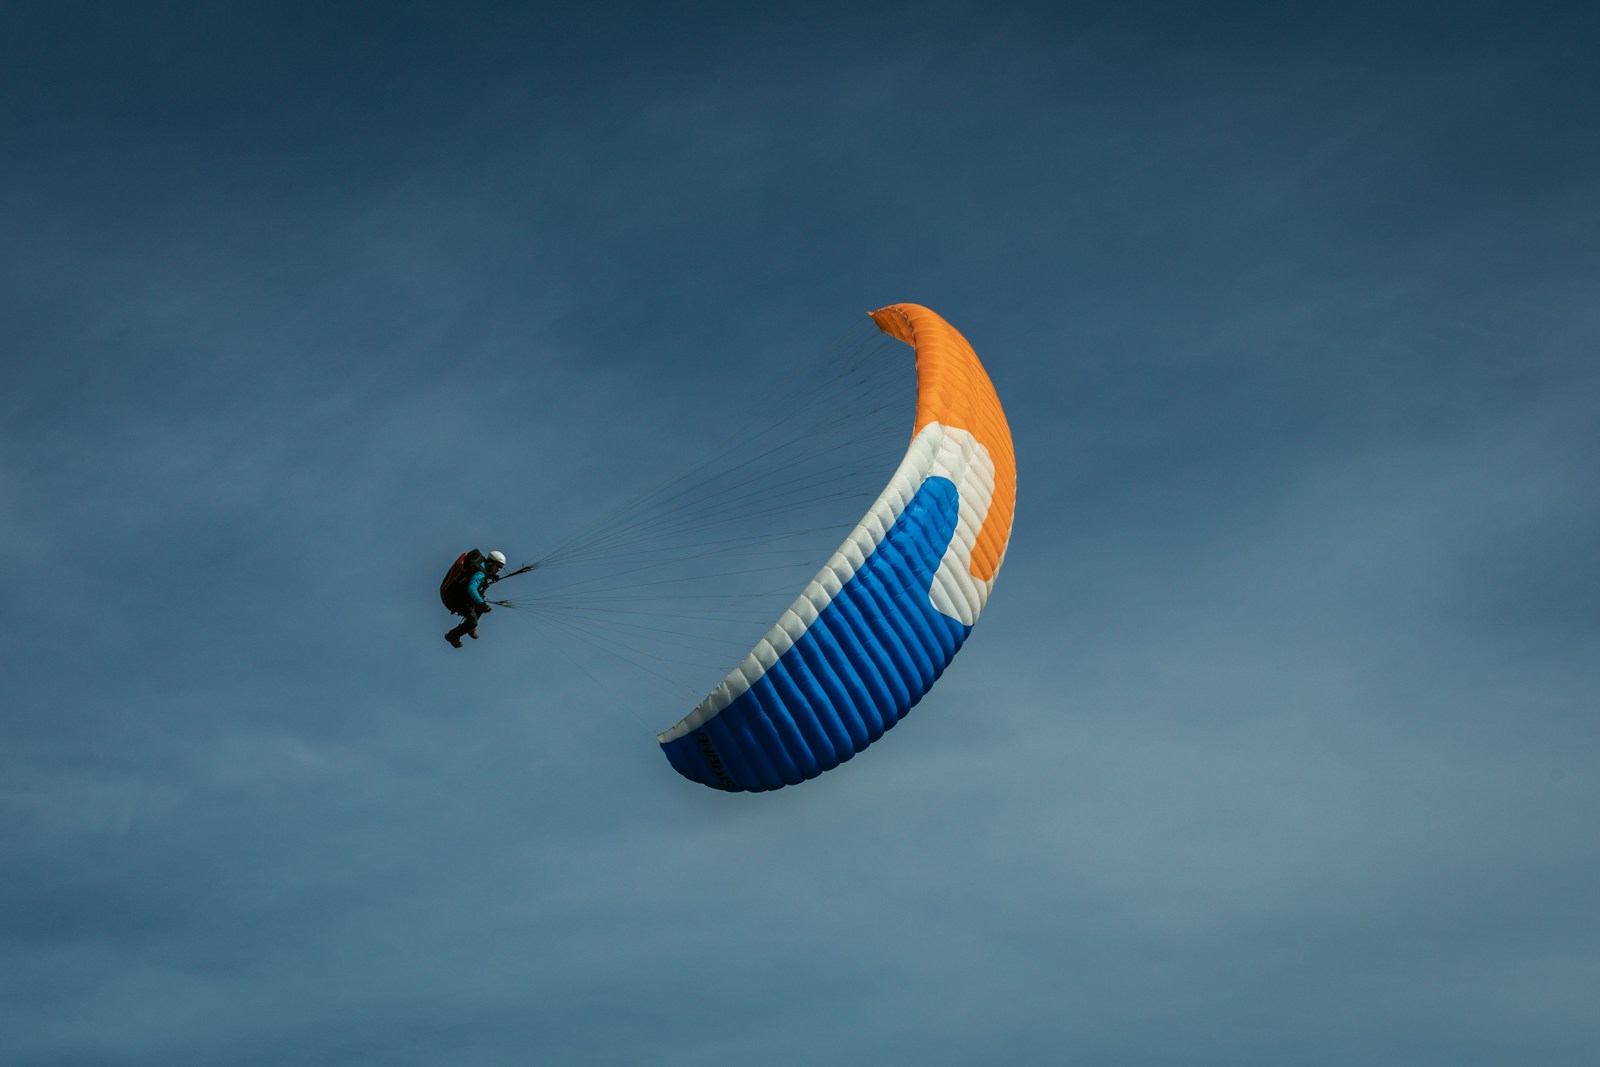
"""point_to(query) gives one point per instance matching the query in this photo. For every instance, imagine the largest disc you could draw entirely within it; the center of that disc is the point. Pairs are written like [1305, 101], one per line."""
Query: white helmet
[498, 557]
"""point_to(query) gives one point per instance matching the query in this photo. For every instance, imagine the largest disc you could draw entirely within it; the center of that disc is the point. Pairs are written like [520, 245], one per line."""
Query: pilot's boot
[454, 636]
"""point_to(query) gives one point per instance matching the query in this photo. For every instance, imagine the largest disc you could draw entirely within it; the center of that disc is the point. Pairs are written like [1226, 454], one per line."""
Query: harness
[453, 590]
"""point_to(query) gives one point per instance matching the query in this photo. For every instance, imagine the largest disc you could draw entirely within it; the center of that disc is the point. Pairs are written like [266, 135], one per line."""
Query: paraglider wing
[885, 615]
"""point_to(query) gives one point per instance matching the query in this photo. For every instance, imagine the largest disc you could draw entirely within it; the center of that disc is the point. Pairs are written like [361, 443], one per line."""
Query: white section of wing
[964, 460]
[937, 451]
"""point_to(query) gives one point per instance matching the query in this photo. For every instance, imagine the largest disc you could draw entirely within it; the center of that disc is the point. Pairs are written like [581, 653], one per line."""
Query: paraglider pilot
[465, 595]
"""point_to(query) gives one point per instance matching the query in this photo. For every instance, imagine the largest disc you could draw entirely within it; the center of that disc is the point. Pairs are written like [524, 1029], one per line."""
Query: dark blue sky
[1275, 743]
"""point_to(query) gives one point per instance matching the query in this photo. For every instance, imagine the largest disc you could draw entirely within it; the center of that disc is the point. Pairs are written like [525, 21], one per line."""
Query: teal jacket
[477, 584]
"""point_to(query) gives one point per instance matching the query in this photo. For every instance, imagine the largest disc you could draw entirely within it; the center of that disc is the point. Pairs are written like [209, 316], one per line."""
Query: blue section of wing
[870, 656]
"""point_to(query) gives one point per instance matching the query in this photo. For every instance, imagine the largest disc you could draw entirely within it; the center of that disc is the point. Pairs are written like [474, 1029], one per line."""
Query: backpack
[455, 579]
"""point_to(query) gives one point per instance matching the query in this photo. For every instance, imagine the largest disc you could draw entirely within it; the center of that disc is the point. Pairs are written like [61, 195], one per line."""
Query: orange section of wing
[954, 390]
